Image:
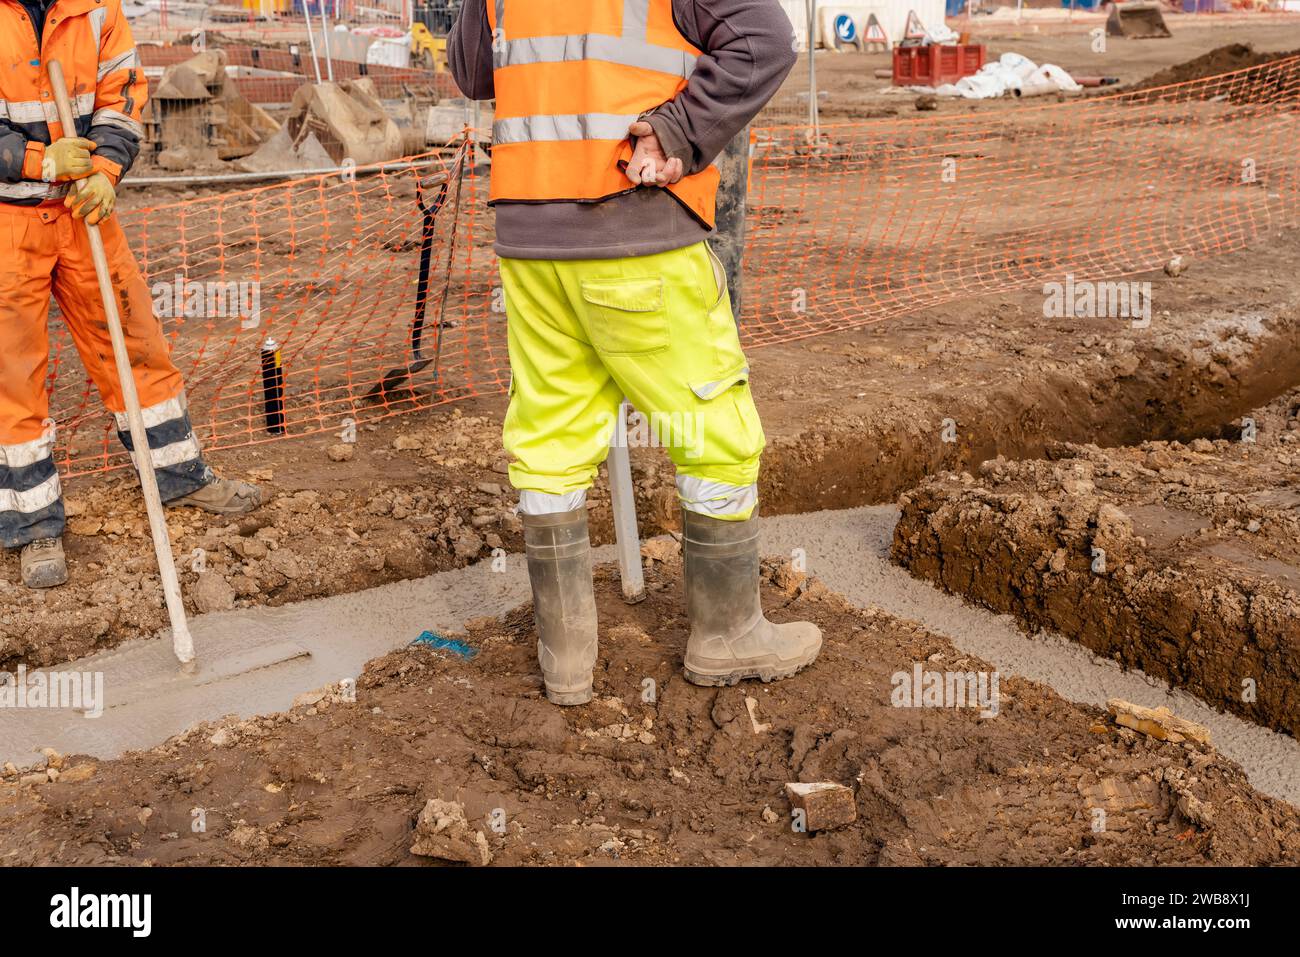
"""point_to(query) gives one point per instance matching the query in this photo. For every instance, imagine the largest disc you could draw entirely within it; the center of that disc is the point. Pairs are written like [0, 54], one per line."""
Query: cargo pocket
[729, 422]
[712, 388]
[626, 317]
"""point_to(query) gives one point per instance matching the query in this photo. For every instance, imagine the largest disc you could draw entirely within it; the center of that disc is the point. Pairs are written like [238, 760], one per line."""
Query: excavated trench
[1178, 559]
[1170, 391]
[393, 518]
[1177, 385]
[257, 659]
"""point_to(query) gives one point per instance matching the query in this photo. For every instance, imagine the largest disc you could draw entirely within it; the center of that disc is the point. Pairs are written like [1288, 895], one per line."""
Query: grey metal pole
[623, 502]
[325, 32]
[311, 40]
[812, 69]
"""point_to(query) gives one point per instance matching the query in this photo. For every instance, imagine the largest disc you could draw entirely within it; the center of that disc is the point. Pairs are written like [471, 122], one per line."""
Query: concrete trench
[256, 660]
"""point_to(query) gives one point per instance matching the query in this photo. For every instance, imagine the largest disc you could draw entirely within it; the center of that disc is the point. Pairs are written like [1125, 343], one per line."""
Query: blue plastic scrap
[454, 645]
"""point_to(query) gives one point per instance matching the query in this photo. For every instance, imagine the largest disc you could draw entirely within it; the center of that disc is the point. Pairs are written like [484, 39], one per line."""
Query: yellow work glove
[66, 158]
[94, 201]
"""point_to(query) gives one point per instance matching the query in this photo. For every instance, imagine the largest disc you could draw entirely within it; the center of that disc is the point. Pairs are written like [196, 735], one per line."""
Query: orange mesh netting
[873, 220]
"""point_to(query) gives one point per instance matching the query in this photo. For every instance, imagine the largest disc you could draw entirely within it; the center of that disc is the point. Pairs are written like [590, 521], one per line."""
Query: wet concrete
[257, 660]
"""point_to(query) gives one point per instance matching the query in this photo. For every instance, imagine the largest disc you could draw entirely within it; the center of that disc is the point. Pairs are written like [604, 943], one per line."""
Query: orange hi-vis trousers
[44, 251]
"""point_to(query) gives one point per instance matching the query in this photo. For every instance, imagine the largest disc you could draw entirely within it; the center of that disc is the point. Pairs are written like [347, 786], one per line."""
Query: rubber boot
[730, 638]
[43, 564]
[564, 604]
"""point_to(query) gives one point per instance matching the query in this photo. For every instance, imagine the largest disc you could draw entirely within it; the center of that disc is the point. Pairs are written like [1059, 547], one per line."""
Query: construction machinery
[431, 21]
[1141, 20]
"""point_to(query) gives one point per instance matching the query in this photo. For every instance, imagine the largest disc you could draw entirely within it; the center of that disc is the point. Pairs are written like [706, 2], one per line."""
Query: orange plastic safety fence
[329, 269]
[874, 220]
[887, 217]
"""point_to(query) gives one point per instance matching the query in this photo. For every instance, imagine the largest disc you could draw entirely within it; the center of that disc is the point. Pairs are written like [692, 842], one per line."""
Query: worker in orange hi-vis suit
[44, 251]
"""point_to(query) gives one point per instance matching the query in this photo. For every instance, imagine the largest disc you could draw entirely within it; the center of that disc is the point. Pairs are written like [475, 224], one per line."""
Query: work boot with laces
[43, 563]
[223, 497]
[730, 638]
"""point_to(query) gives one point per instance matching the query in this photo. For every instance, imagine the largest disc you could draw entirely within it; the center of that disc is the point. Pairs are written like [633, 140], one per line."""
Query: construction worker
[44, 250]
[609, 114]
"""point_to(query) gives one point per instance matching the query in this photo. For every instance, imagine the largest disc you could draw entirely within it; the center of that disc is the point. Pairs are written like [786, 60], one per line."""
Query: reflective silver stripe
[595, 46]
[107, 117]
[120, 62]
[186, 450]
[579, 126]
[31, 189]
[42, 111]
[169, 410]
[97, 18]
[630, 49]
[710, 390]
[26, 453]
[24, 111]
[636, 19]
[33, 499]
[155, 415]
[546, 503]
[715, 498]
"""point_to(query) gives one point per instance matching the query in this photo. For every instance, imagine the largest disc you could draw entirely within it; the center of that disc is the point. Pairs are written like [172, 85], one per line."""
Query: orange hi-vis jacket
[108, 89]
[570, 77]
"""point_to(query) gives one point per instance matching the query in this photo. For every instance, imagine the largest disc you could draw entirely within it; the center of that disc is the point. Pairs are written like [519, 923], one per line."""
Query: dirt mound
[435, 749]
[1179, 559]
[1224, 59]
[330, 526]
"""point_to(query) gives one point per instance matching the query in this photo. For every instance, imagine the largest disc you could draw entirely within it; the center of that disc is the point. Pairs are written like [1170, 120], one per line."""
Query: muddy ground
[1180, 559]
[655, 770]
[853, 418]
[1149, 418]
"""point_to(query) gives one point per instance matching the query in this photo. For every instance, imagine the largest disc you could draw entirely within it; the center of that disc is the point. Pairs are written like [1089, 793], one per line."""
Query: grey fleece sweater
[748, 50]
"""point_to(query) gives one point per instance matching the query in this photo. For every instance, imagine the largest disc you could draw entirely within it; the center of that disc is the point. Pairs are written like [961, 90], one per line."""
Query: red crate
[933, 65]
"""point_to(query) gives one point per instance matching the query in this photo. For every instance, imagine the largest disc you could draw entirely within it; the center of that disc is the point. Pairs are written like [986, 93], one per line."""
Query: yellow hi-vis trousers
[657, 329]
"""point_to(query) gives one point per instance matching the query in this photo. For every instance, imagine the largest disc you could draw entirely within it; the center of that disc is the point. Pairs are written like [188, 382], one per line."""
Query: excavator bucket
[1137, 21]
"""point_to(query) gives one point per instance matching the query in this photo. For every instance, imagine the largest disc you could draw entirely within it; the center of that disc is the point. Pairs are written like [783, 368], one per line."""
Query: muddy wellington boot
[564, 604]
[43, 564]
[730, 638]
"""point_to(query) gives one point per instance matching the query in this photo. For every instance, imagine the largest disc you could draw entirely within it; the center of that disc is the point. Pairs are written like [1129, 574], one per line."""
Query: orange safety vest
[570, 77]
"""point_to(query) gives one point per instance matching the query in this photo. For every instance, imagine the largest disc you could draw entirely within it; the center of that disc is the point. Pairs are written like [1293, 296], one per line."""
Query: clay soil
[853, 417]
[1199, 575]
[683, 775]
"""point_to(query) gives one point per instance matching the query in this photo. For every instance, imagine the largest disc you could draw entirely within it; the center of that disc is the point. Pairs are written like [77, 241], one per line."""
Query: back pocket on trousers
[626, 317]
